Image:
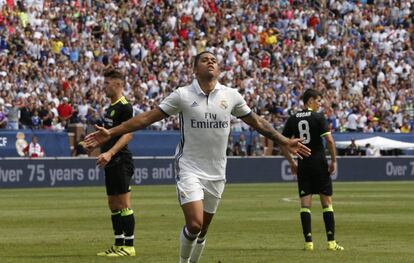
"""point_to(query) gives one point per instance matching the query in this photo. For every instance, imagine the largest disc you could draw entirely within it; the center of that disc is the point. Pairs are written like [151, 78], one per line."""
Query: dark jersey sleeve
[126, 113]
[323, 124]
[288, 130]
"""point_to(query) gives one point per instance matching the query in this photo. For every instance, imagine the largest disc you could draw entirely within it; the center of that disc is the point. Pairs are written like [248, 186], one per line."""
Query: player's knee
[195, 226]
[115, 204]
[203, 232]
[123, 204]
[119, 202]
[112, 204]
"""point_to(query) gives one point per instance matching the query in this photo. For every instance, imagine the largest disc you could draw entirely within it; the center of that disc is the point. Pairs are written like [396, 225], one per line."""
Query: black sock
[329, 219]
[117, 226]
[128, 225]
[305, 218]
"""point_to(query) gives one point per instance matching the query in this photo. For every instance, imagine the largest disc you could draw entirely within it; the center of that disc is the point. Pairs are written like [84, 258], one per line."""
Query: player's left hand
[104, 159]
[332, 167]
[297, 148]
[294, 168]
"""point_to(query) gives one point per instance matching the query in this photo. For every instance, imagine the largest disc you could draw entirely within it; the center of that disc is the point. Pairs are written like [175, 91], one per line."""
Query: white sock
[187, 243]
[198, 250]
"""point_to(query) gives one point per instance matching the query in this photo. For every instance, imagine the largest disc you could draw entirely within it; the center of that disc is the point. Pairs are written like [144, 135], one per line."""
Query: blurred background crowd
[359, 54]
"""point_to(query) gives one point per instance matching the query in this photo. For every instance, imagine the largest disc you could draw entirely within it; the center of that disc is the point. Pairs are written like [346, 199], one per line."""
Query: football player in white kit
[204, 109]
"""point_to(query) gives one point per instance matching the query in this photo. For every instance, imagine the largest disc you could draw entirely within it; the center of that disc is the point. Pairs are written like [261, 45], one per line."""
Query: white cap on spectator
[3, 73]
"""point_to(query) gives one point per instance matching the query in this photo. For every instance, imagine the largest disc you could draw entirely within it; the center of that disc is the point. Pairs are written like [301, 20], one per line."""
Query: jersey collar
[118, 100]
[198, 89]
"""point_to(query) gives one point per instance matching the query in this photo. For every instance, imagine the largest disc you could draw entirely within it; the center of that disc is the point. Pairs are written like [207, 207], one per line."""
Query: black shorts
[118, 178]
[314, 179]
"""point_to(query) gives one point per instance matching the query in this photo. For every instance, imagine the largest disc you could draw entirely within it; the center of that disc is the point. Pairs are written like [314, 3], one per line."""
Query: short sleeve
[323, 124]
[287, 130]
[126, 113]
[240, 108]
[171, 105]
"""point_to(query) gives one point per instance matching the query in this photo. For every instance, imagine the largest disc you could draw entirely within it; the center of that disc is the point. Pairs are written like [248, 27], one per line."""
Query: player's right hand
[100, 136]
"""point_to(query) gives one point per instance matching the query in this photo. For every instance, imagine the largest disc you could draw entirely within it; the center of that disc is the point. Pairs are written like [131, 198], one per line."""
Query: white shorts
[191, 188]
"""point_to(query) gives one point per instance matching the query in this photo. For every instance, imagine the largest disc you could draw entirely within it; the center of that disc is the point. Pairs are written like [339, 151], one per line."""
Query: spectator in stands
[353, 119]
[230, 146]
[353, 149]
[25, 117]
[255, 149]
[371, 150]
[358, 55]
[3, 117]
[46, 116]
[13, 115]
[236, 151]
[242, 144]
[405, 128]
[36, 122]
[34, 149]
[65, 110]
[58, 125]
[79, 150]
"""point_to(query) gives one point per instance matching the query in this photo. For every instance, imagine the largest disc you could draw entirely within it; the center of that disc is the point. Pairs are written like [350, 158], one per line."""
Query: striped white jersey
[205, 128]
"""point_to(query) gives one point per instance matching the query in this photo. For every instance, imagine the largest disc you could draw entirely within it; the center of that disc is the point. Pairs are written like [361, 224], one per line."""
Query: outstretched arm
[139, 122]
[265, 128]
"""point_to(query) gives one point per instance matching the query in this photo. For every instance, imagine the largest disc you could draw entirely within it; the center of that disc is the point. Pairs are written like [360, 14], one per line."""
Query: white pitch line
[289, 199]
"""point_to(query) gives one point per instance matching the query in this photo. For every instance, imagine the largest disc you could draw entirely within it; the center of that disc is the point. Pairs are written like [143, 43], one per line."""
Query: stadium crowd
[358, 53]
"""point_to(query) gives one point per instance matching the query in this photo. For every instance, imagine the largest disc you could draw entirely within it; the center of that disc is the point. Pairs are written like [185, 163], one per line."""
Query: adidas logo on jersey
[195, 104]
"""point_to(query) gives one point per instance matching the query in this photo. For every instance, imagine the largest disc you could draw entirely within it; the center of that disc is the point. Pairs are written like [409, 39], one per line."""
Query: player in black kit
[313, 172]
[117, 160]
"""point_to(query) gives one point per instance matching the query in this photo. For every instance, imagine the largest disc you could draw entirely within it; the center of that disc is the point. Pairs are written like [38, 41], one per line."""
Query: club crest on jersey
[224, 104]
[112, 113]
[109, 122]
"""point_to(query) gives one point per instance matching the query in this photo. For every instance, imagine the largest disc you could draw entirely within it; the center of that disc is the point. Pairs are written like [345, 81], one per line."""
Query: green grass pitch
[255, 223]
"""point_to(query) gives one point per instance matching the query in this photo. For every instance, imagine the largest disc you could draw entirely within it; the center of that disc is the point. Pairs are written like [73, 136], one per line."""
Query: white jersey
[205, 128]
[34, 150]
